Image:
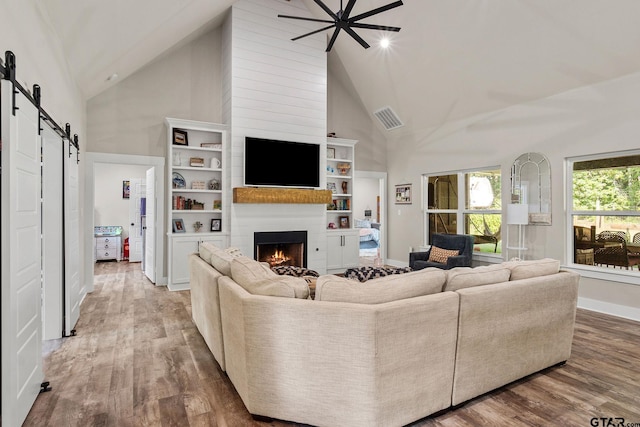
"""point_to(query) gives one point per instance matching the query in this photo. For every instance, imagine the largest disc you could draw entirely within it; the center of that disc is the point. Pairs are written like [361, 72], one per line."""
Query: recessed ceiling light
[112, 77]
[384, 43]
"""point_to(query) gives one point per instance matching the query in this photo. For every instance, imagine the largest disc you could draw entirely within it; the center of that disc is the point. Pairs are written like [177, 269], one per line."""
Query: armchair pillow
[441, 255]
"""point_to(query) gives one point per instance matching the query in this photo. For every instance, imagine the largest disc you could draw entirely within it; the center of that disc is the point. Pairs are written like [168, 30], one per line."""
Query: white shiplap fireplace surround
[274, 88]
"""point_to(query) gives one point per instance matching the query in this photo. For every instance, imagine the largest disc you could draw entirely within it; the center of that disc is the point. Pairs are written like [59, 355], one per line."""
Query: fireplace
[281, 248]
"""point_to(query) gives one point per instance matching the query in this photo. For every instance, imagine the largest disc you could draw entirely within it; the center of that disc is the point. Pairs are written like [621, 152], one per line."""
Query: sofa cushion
[534, 268]
[206, 249]
[467, 277]
[440, 255]
[221, 259]
[384, 289]
[257, 279]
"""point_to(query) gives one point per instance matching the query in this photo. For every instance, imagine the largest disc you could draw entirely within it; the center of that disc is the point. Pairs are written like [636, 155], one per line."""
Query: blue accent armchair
[460, 242]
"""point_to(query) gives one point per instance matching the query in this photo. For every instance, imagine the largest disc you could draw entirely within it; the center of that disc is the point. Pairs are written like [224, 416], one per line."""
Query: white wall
[367, 190]
[348, 118]
[25, 31]
[110, 208]
[184, 83]
[596, 119]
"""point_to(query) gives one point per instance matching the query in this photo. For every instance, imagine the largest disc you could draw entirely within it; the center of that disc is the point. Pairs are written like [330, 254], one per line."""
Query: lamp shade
[518, 214]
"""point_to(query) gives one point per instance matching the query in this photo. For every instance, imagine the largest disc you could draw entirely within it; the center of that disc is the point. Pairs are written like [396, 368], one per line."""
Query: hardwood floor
[138, 360]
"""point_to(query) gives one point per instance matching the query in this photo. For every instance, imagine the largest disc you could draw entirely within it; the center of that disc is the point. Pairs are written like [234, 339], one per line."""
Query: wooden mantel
[280, 195]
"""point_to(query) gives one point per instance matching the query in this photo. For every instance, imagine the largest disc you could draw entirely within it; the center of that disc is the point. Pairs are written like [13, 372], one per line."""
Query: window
[467, 202]
[604, 208]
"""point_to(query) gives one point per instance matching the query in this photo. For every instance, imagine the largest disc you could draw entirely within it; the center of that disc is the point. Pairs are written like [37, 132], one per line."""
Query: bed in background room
[369, 237]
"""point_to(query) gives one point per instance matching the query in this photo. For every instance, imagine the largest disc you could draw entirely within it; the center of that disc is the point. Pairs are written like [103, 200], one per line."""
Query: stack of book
[179, 203]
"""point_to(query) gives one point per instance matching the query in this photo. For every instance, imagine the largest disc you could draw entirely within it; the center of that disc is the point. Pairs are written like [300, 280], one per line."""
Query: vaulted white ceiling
[452, 59]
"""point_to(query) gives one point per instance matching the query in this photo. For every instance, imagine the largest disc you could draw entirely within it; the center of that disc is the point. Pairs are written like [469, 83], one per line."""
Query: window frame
[462, 209]
[592, 271]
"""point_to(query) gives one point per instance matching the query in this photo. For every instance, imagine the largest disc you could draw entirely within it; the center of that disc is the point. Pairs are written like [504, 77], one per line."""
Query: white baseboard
[396, 263]
[179, 287]
[626, 312]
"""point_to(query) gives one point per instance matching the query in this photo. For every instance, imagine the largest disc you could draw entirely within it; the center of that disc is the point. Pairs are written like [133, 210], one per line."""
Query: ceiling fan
[343, 21]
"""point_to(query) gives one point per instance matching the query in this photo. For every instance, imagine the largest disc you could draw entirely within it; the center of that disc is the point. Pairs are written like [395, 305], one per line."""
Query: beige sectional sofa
[385, 352]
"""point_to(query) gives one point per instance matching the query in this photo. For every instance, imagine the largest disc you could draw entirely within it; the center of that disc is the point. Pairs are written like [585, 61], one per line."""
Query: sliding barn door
[20, 237]
[73, 290]
[52, 237]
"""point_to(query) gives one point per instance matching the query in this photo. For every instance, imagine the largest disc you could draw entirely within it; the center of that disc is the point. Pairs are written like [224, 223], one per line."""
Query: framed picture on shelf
[216, 224]
[344, 221]
[403, 194]
[180, 137]
[332, 186]
[331, 153]
[178, 225]
[126, 189]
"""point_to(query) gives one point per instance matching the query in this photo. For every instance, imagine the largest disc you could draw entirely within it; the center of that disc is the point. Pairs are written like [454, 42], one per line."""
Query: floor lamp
[518, 214]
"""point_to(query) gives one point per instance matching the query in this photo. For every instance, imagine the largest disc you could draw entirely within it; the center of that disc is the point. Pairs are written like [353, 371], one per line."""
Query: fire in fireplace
[279, 248]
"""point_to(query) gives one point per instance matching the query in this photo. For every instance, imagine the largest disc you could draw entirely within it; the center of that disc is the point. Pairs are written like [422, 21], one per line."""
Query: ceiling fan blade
[333, 39]
[313, 32]
[348, 9]
[376, 11]
[302, 18]
[326, 9]
[374, 27]
[357, 37]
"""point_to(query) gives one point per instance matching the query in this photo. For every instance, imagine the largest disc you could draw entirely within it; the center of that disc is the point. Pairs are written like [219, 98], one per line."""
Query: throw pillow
[440, 255]
[363, 223]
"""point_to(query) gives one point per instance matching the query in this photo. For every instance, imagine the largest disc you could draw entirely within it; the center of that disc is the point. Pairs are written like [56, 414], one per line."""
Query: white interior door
[73, 292]
[21, 257]
[52, 261]
[137, 192]
[150, 231]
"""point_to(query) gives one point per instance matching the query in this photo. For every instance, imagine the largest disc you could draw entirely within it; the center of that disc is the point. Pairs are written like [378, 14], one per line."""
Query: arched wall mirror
[531, 185]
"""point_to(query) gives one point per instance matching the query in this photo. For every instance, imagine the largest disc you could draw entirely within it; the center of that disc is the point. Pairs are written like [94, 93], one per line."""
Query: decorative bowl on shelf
[344, 168]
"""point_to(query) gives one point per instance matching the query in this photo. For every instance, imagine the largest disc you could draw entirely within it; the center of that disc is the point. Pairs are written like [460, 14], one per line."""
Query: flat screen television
[273, 163]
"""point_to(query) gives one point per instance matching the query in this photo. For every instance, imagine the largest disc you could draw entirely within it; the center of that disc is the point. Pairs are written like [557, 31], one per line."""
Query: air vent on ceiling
[388, 118]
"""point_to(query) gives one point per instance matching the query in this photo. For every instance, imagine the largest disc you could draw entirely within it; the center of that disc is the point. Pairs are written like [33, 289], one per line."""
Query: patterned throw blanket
[362, 274]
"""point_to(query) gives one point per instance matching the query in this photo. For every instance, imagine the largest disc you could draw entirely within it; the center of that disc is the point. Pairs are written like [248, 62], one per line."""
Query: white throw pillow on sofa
[467, 277]
[384, 289]
[534, 268]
